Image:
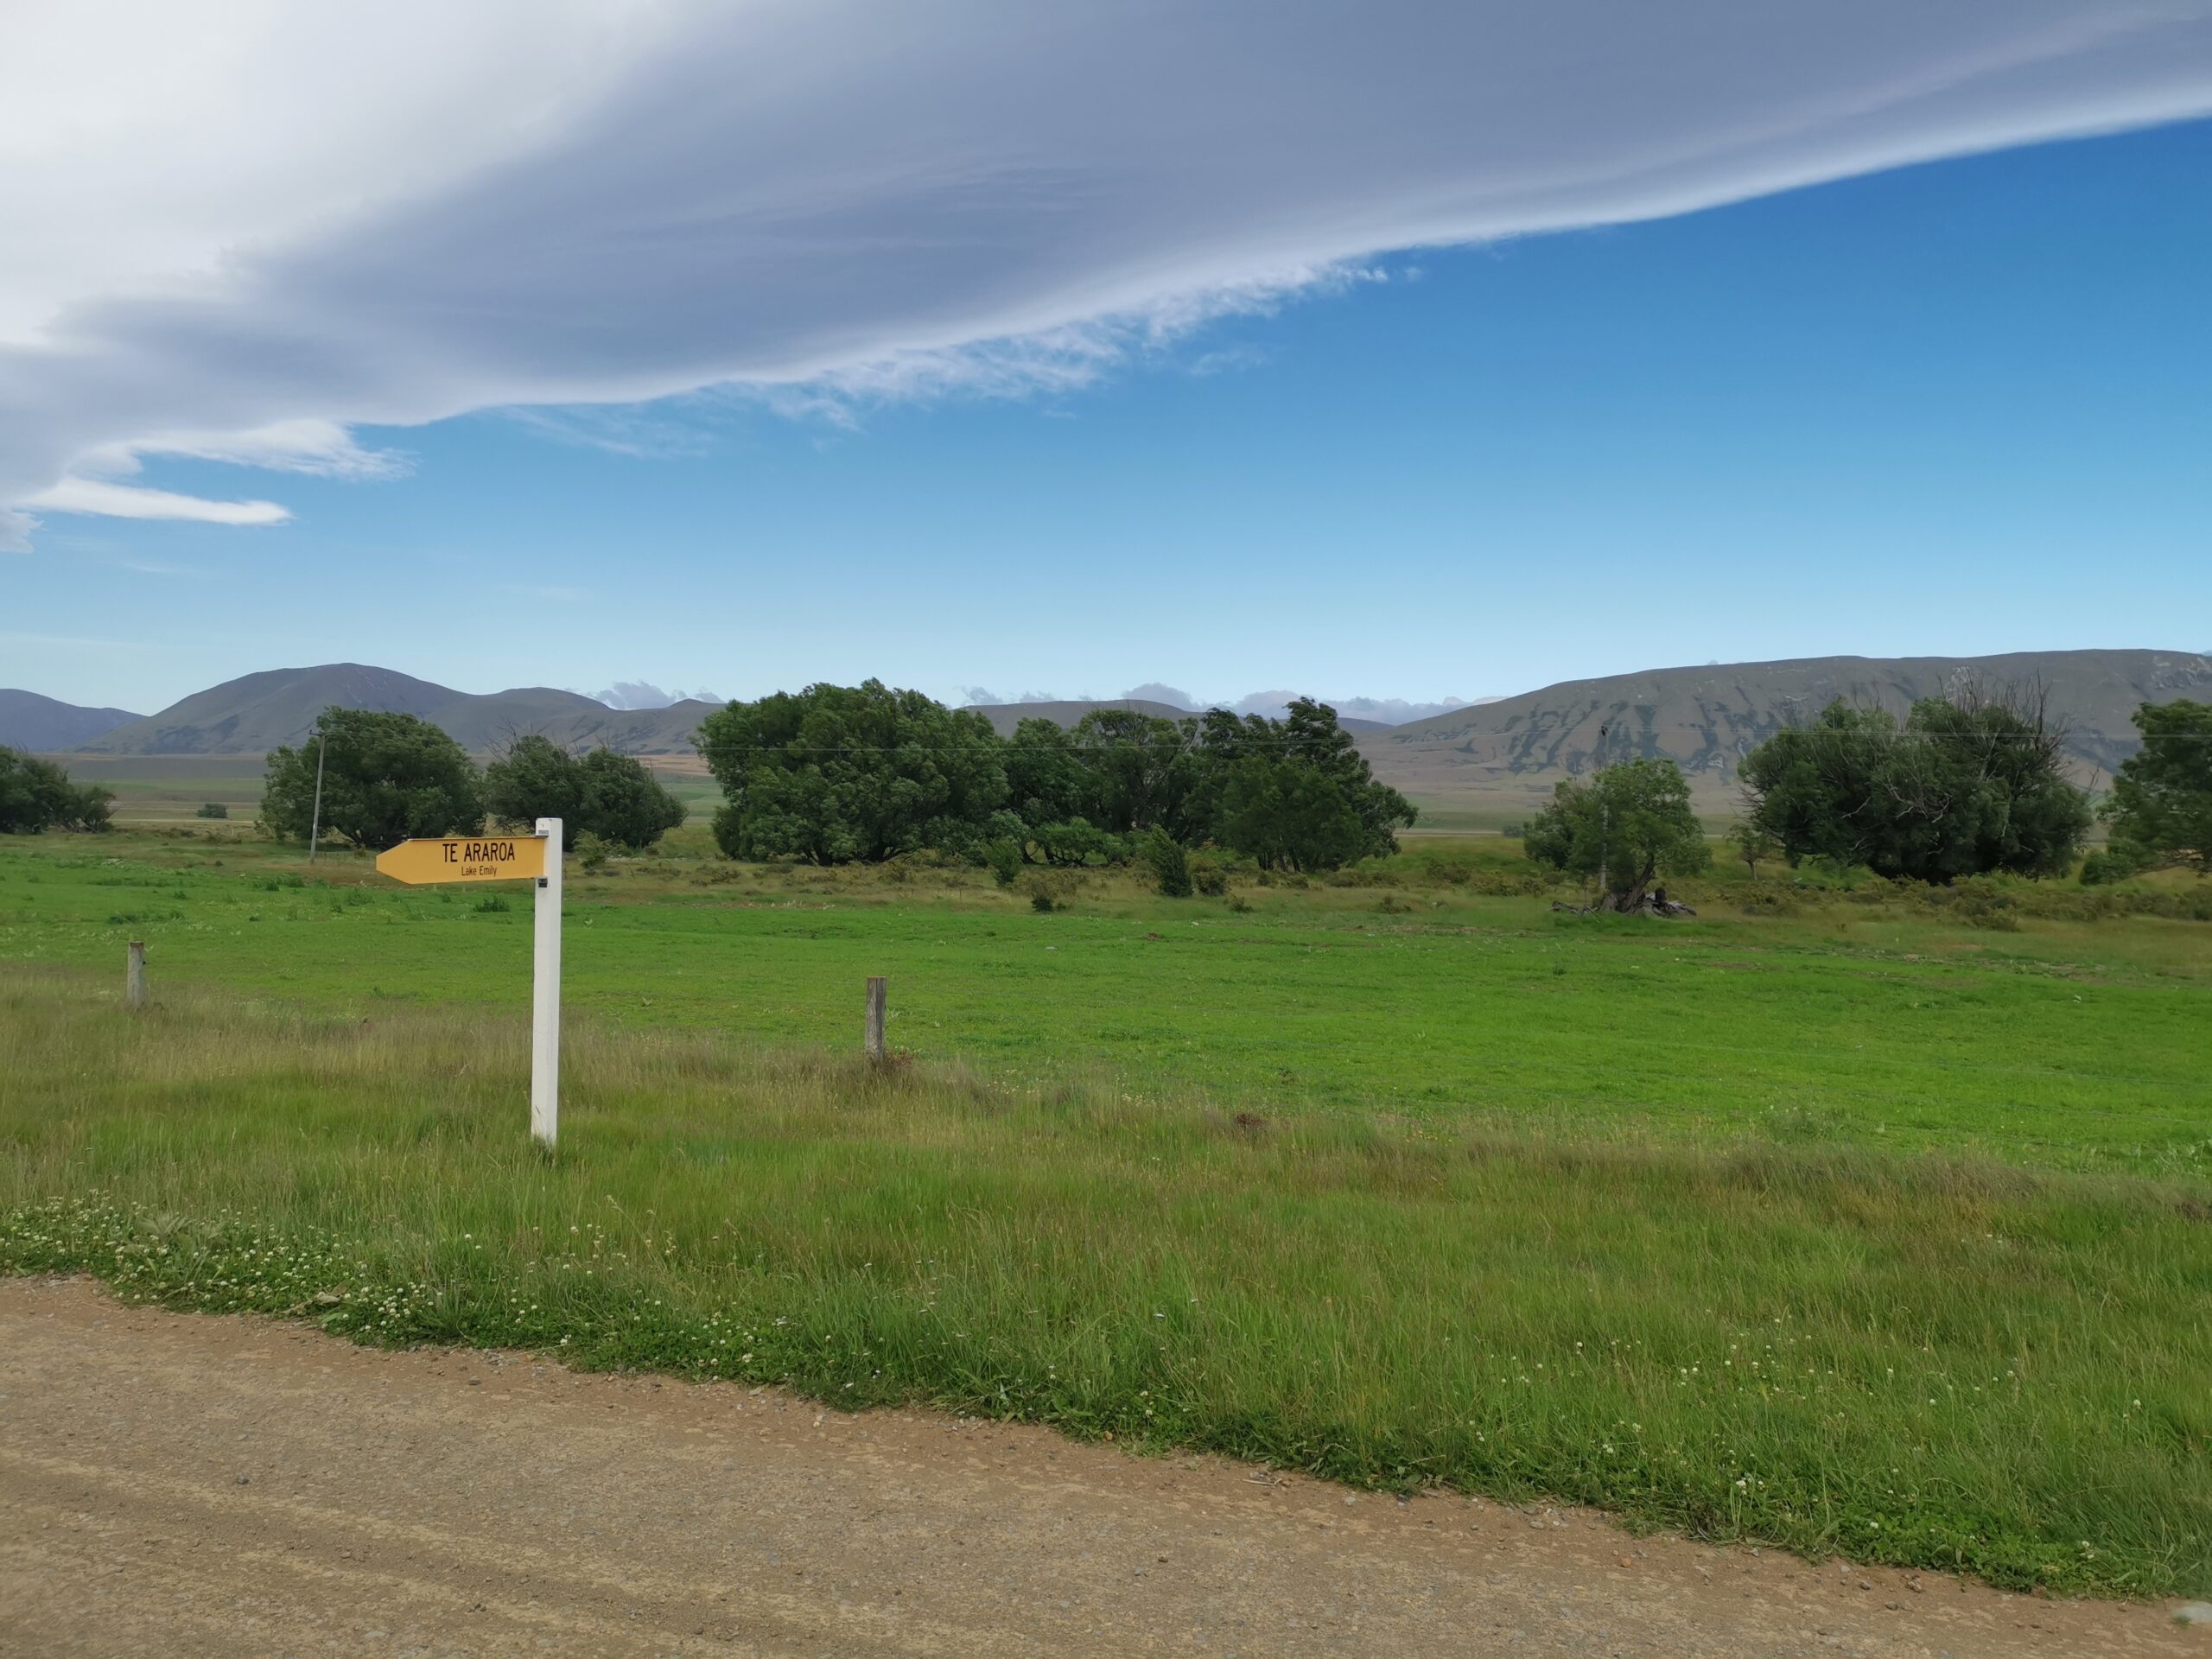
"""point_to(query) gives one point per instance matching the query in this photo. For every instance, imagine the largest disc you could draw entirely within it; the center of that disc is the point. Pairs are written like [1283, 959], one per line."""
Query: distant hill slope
[1707, 718]
[258, 712]
[28, 721]
[1005, 716]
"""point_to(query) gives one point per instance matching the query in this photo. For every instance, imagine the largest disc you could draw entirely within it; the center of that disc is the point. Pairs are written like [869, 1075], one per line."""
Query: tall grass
[1910, 1359]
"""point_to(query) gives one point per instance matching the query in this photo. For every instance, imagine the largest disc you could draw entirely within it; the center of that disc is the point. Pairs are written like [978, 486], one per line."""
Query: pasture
[1851, 1223]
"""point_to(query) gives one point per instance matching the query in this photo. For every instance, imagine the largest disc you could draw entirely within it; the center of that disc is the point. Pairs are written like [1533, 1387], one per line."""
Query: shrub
[592, 853]
[211, 810]
[1209, 874]
[1004, 859]
[1171, 866]
[1051, 890]
[2114, 864]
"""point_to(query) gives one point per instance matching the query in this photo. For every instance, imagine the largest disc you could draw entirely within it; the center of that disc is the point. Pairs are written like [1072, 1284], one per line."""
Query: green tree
[624, 804]
[36, 795]
[1627, 826]
[536, 779]
[1286, 815]
[1141, 769]
[2160, 809]
[385, 778]
[1047, 778]
[1294, 793]
[613, 797]
[1969, 785]
[838, 773]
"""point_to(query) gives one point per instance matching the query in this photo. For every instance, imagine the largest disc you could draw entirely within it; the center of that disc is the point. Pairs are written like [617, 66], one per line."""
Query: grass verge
[1909, 1359]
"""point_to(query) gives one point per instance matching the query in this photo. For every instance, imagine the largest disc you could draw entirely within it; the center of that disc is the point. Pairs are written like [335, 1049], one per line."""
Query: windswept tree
[1141, 769]
[384, 778]
[837, 774]
[1293, 794]
[36, 795]
[2160, 809]
[1626, 826]
[1969, 784]
[612, 796]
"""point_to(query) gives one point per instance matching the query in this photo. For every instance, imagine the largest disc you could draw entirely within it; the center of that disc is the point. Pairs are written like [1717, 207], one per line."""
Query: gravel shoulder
[179, 1484]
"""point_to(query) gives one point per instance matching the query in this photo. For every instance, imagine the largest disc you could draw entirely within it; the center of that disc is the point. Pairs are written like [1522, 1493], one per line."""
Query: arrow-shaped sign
[489, 858]
[510, 858]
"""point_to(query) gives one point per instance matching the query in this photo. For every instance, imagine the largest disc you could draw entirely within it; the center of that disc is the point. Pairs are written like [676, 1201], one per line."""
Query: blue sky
[1957, 407]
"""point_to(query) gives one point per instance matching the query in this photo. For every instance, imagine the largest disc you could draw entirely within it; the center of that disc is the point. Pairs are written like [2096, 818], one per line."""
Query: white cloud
[129, 501]
[262, 223]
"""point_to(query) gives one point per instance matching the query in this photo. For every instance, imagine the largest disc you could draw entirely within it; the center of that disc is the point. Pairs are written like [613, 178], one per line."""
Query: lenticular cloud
[245, 220]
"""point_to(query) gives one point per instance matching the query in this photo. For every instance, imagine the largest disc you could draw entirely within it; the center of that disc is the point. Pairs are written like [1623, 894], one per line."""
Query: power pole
[1605, 816]
[315, 827]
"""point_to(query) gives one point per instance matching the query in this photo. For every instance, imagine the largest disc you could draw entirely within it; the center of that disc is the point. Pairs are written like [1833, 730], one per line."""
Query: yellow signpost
[510, 858]
[484, 858]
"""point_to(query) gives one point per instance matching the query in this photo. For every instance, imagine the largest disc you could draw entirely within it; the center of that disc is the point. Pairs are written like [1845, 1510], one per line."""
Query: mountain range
[258, 712]
[1495, 753]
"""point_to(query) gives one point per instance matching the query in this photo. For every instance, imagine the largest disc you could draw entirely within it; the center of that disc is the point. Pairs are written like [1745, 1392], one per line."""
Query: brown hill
[28, 721]
[257, 712]
[1707, 718]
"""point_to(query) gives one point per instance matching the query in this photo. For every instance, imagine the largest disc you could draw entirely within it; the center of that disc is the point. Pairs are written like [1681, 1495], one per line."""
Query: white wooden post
[876, 998]
[134, 975]
[545, 995]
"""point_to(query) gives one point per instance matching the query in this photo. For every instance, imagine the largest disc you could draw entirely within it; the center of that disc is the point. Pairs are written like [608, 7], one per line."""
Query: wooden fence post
[876, 998]
[134, 975]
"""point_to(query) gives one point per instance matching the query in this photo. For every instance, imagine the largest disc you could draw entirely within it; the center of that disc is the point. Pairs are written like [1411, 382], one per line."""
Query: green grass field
[1855, 1229]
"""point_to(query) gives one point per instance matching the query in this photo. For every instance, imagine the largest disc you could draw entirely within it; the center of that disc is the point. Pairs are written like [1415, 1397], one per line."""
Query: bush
[212, 809]
[1209, 874]
[2114, 864]
[1171, 866]
[1004, 859]
[592, 853]
[1051, 890]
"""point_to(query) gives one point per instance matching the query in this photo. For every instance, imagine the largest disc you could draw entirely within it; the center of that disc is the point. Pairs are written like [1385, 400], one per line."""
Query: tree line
[1970, 783]
[844, 774]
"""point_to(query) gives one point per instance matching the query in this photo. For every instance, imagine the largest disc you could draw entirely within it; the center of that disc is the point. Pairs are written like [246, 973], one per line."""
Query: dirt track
[181, 1485]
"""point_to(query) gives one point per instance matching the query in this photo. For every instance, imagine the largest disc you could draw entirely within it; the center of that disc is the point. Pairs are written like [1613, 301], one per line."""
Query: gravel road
[179, 1485]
